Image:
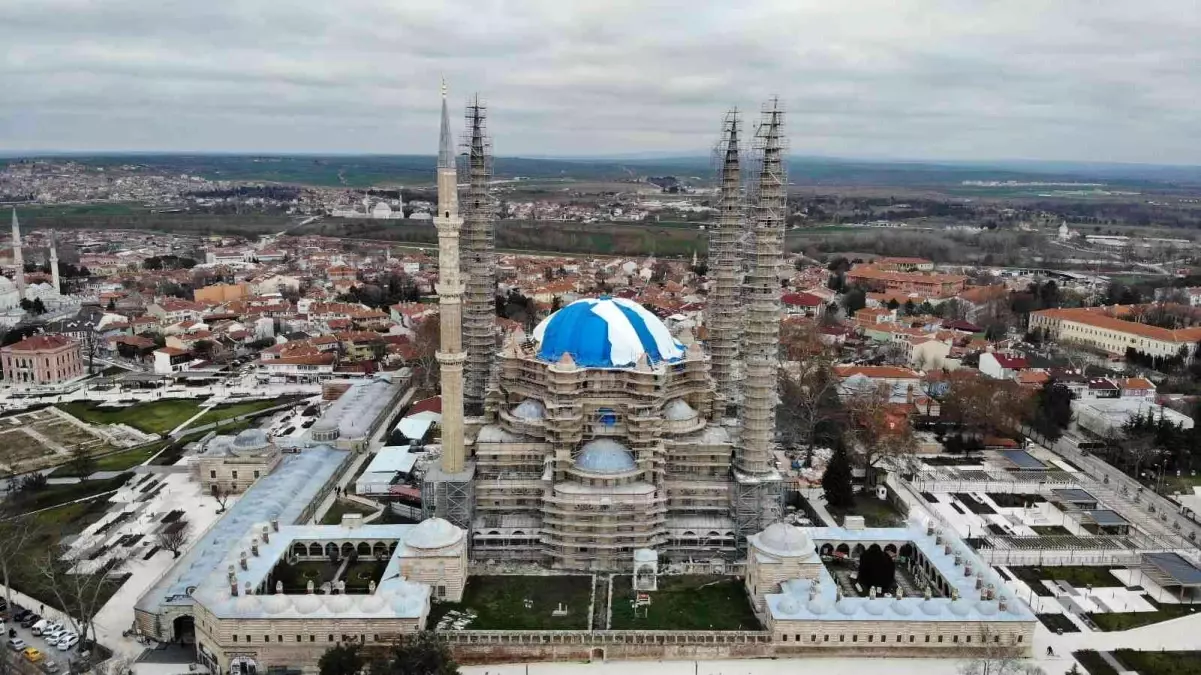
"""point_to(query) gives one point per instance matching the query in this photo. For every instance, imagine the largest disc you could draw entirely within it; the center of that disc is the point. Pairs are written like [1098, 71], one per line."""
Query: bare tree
[426, 342]
[79, 593]
[808, 391]
[16, 531]
[222, 496]
[995, 658]
[174, 536]
[878, 429]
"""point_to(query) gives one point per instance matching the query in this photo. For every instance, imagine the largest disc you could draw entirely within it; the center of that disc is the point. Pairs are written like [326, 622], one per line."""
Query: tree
[39, 307]
[78, 590]
[877, 570]
[876, 430]
[997, 659]
[342, 659]
[173, 537]
[418, 654]
[81, 463]
[222, 496]
[854, 300]
[426, 343]
[836, 481]
[112, 305]
[809, 409]
[16, 531]
[1052, 411]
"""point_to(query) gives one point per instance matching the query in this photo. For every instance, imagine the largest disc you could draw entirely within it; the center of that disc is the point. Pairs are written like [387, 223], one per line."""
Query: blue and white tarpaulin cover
[606, 333]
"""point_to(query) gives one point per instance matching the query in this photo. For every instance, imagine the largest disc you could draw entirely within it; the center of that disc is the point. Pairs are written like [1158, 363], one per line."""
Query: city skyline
[932, 81]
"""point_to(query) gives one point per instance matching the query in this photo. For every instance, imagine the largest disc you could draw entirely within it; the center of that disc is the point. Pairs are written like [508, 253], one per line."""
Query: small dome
[433, 533]
[987, 607]
[250, 440]
[246, 604]
[678, 410]
[307, 603]
[847, 606]
[529, 409]
[372, 604]
[277, 603]
[789, 605]
[932, 607]
[338, 603]
[785, 540]
[606, 333]
[961, 607]
[819, 606]
[903, 606]
[877, 606]
[605, 456]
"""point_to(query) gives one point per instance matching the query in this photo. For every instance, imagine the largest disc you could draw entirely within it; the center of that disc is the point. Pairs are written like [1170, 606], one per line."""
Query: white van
[39, 627]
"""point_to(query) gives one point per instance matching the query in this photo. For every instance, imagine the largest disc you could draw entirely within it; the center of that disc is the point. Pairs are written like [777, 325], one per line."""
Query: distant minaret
[18, 257]
[724, 313]
[479, 260]
[758, 500]
[450, 300]
[54, 265]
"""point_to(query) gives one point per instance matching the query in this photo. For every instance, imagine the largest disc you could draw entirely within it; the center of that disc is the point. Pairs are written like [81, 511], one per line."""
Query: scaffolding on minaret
[479, 261]
[758, 495]
[724, 312]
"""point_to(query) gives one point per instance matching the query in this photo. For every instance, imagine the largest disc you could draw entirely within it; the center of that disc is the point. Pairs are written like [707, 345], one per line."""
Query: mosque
[601, 442]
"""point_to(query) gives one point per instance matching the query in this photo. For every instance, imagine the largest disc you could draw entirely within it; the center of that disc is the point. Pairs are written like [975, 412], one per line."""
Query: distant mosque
[380, 209]
[13, 292]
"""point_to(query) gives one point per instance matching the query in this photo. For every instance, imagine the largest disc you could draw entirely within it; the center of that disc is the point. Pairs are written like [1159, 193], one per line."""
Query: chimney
[275, 524]
[254, 547]
[1002, 603]
[242, 559]
[958, 559]
[279, 587]
[266, 535]
[927, 594]
[929, 528]
[249, 589]
[967, 570]
[980, 581]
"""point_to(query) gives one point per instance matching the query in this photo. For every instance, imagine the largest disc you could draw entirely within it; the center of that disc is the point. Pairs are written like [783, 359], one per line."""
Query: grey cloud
[915, 79]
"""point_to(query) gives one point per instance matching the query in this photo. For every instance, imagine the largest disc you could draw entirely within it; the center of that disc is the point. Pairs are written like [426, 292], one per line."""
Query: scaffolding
[724, 312]
[478, 261]
[450, 496]
[758, 494]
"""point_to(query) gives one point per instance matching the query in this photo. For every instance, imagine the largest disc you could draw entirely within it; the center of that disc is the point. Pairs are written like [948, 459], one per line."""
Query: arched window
[364, 548]
[315, 550]
[300, 550]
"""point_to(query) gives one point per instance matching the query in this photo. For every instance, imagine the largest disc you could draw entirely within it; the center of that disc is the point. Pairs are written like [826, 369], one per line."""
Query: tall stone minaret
[18, 257]
[450, 301]
[758, 498]
[54, 265]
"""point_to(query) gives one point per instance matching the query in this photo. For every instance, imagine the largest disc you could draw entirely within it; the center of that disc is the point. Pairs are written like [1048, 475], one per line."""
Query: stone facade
[42, 359]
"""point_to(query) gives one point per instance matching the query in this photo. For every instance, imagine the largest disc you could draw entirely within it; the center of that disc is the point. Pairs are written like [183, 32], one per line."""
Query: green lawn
[1160, 663]
[500, 602]
[337, 509]
[1092, 663]
[54, 495]
[685, 602]
[117, 461]
[1115, 621]
[227, 411]
[875, 512]
[1183, 483]
[1079, 576]
[154, 417]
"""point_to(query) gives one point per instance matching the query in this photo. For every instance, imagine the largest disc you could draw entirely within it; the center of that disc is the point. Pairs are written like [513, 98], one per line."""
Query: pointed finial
[443, 87]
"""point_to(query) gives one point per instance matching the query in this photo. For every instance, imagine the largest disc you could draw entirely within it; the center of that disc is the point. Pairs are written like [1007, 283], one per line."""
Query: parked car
[50, 667]
[52, 635]
[3, 626]
[38, 627]
[16, 644]
[67, 641]
[29, 620]
[33, 654]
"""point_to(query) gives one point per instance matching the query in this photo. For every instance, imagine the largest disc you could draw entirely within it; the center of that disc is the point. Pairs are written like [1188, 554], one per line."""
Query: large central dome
[606, 333]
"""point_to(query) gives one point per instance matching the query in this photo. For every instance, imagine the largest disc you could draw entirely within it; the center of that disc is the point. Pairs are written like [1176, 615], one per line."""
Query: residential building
[1002, 366]
[1094, 327]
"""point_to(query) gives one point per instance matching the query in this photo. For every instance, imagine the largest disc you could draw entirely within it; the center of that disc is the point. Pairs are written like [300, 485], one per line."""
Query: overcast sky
[1114, 80]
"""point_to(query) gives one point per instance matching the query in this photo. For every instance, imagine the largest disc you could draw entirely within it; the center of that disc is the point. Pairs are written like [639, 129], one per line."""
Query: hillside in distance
[361, 171]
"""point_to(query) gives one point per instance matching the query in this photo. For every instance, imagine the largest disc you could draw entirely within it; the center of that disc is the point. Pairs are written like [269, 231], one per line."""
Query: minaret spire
[758, 500]
[54, 265]
[18, 257]
[447, 489]
[479, 312]
[724, 313]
